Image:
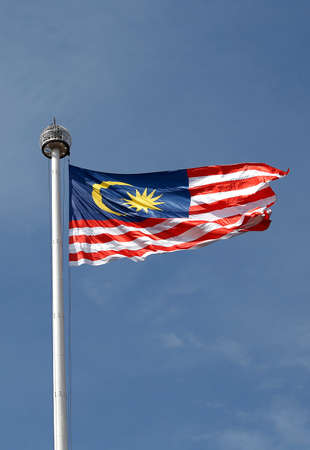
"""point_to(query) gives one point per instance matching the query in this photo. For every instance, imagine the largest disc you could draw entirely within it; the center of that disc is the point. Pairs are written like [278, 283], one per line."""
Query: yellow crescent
[97, 196]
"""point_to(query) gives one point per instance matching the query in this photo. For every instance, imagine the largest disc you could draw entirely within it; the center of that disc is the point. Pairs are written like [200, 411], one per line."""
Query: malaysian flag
[132, 216]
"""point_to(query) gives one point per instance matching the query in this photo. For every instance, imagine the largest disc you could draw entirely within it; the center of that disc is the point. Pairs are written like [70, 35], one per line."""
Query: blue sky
[196, 350]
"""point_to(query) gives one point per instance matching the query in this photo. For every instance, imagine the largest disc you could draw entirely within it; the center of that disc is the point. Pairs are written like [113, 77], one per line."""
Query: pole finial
[55, 136]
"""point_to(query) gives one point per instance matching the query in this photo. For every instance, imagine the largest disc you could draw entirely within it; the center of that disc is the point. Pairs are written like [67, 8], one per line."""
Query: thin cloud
[223, 348]
[170, 340]
[284, 426]
[230, 350]
[292, 423]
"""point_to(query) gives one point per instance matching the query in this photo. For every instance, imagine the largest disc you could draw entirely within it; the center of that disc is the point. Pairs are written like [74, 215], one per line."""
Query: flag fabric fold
[135, 215]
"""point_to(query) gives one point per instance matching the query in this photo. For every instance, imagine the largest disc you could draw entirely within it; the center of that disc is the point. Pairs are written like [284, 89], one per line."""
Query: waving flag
[115, 216]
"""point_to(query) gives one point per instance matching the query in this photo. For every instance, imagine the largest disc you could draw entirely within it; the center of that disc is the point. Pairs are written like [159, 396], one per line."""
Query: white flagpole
[55, 144]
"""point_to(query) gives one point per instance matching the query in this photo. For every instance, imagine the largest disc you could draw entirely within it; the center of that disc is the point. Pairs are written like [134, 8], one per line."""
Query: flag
[135, 215]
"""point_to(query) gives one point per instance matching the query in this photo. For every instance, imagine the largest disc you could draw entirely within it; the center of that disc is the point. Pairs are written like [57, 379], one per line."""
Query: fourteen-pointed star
[143, 201]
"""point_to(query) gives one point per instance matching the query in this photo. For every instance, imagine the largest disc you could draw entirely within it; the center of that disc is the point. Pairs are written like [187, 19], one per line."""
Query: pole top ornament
[55, 137]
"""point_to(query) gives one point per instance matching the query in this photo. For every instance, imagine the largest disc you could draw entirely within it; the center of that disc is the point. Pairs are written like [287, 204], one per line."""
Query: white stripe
[117, 256]
[233, 210]
[216, 196]
[242, 175]
[143, 241]
[121, 229]
[146, 254]
[167, 224]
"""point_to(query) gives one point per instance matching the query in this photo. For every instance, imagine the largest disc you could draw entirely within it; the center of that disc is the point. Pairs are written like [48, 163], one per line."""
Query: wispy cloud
[284, 426]
[243, 440]
[97, 293]
[291, 422]
[222, 348]
[170, 340]
[297, 344]
[230, 350]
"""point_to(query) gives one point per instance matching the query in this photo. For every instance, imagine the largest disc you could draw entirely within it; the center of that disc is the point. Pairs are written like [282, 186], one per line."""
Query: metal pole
[59, 381]
[55, 143]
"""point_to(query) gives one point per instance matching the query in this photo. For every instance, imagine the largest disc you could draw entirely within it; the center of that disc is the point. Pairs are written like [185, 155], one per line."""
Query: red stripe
[94, 256]
[222, 170]
[229, 220]
[261, 226]
[132, 235]
[112, 223]
[212, 235]
[229, 202]
[165, 234]
[256, 222]
[250, 214]
[232, 185]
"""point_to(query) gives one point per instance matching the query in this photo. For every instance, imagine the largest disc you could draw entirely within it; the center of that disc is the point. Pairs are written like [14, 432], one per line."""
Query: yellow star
[143, 201]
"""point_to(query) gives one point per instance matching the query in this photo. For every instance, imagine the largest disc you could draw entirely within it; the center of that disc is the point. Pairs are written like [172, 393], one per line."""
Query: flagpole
[55, 143]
